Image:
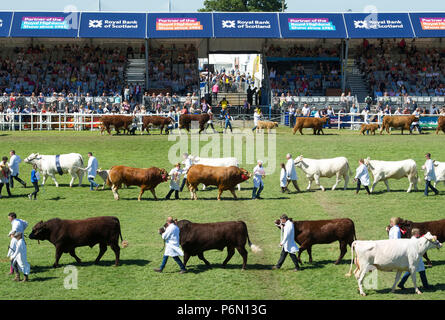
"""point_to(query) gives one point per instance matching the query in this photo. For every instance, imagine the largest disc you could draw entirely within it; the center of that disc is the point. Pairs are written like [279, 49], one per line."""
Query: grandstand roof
[221, 25]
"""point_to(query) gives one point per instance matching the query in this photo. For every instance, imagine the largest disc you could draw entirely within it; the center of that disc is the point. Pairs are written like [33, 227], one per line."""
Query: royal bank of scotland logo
[360, 24]
[95, 24]
[228, 23]
[1, 23]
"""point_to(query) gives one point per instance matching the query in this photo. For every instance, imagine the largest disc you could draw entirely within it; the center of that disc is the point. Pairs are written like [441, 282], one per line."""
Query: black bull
[67, 235]
[195, 238]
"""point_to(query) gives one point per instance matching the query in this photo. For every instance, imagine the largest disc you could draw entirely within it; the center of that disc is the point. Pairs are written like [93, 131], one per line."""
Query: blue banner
[112, 25]
[179, 25]
[310, 25]
[428, 25]
[378, 25]
[5, 23]
[45, 24]
[246, 25]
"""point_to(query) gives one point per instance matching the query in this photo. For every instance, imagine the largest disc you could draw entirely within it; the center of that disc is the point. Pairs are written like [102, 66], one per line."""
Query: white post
[32, 122]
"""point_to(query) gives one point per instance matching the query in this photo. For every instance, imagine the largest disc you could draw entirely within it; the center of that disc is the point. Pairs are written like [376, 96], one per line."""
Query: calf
[402, 122]
[195, 238]
[390, 255]
[369, 127]
[267, 125]
[308, 122]
[440, 124]
[308, 233]
[384, 170]
[67, 235]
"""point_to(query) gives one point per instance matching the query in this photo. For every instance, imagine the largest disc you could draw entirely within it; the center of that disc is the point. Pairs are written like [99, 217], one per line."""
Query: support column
[146, 64]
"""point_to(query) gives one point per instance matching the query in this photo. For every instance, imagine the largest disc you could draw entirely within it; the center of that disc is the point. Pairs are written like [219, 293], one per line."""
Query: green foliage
[135, 278]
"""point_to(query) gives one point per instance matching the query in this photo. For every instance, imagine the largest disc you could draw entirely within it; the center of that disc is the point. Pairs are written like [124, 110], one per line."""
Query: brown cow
[440, 124]
[118, 121]
[156, 121]
[369, 127]
[195, 238]
[225, 178]
[67, 235]
[266, 125]
[308, 233]
[147, 179]
[436, 227]
[185, 121]
[309, 122]
[402, 122]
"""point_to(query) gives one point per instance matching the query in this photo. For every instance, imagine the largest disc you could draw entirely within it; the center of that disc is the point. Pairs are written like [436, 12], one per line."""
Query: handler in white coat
[175, 176]
[91, 169]
[14, 162]
[187, 164]
[19, 258]
[258, 184]
[291, 172]
[172, 249]
[287, 243]
[17, 225]
[430, 175]
[362, 176]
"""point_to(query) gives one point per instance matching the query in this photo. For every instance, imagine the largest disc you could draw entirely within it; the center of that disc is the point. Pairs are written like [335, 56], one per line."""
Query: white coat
[187, 164]
[18, 225]
[92, 167]
[283, 178]
[175, 175]
[258, 173]
[430, 175]
[288, 237]
[171, 238]
[256, 118]
[290, 169]
[14, 165]
[362, 173]
[394, 232]
[19, 257]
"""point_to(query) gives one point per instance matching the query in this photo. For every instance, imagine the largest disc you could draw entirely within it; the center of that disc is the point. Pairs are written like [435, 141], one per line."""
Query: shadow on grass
[107, 263]
[203, 268]
[322, 264]
[410, 290]
[40, 279]
[56, 198]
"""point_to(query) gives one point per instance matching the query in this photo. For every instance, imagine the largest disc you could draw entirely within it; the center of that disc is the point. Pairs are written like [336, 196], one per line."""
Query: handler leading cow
[49, 165]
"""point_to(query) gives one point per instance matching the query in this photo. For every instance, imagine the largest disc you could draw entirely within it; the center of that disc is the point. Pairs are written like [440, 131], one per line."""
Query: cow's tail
[349, 168]
[124, 243]
[352, 260]
[254, 248]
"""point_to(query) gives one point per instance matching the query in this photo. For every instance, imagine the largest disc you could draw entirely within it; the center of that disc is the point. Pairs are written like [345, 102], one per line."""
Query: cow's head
[245, 175]
[40, 231]
[299, 162]
[163, 173]
[33, 158]
[367, 163]
[275, 124]
[432, 241]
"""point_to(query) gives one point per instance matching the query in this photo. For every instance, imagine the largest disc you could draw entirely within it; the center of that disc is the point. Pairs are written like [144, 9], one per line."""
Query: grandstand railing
[440, 100]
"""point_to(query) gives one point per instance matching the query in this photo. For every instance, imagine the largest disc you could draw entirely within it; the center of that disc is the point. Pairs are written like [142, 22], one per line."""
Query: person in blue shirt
[35, 177]
[92, 167]
[227, 121]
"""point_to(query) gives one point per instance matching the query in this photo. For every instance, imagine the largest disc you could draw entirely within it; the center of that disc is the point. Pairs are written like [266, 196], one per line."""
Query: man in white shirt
[14, 167]
[17, 225]
[291, 172]
[258, 184]
[305, 110]
[172, 249]
[287, 243]
[92, 167]
[362, 176]
[187, 164]
[175, 176]
[430, 175]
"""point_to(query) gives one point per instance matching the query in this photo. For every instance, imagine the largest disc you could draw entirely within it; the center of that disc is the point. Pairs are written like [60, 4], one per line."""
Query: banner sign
[5, 23]
[378, 25]
[179, 25]
[246, 25]
[428, 122]
[428, 25]
[308, 25]
[112, 25]
[45, 24]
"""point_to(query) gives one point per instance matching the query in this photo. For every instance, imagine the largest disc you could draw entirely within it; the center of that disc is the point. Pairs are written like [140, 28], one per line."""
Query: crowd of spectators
[228, 81]
[302, 51]
[174, 67]
[398, 68]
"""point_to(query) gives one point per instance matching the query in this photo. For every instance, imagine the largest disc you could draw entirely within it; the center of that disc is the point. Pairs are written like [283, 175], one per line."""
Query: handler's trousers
[422, 277]
[359, 183]
[178, 261]
[256, 194]
[11, 181]
[283, 257]
[429, 185]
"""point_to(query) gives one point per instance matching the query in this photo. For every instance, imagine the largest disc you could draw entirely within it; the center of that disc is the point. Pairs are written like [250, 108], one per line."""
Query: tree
[243, 5]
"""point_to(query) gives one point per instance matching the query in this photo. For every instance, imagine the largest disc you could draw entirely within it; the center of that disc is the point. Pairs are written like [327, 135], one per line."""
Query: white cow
[390, 255]
[216, 162]
[439, 170]
[384, 170]
[324, 168]
[69, 163]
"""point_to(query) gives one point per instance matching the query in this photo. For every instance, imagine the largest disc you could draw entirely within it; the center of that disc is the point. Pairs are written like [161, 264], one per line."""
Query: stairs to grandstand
[234, 98]
[355, 81]
[135, 72]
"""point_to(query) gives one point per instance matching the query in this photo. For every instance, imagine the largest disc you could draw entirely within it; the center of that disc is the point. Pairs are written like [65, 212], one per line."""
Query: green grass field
[135, 278]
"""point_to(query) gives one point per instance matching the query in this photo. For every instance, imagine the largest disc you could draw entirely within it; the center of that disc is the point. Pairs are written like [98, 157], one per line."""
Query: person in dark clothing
[35, 177]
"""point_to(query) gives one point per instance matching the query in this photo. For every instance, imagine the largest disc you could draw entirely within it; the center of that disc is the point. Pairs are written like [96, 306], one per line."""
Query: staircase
[234, 99]
[355, 81]
[135, 73]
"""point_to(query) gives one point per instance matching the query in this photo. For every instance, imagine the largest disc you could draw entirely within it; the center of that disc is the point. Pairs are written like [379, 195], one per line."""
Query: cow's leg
[376, 180]
[80, 176]
[398, 274]
[428, 261]
[411, 184]
[201, 256]
[362, 275]
[73, 176]
[337, 180]
[73, 254]
[230, 253]
[233, 192]
[54, 179]
[117, 250]
[186, 258]
[59, 253]
[317, 181]
[114, 188]
[387, 184]
[203, 187]
[243, 252]
[220, 191]
[141, 192]
[343, 250]
[309, 252]
[153, 193]
[102, 249]
[44, 179]
[346, 178]
[413, 276]
[239, 186]
[309, 184]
